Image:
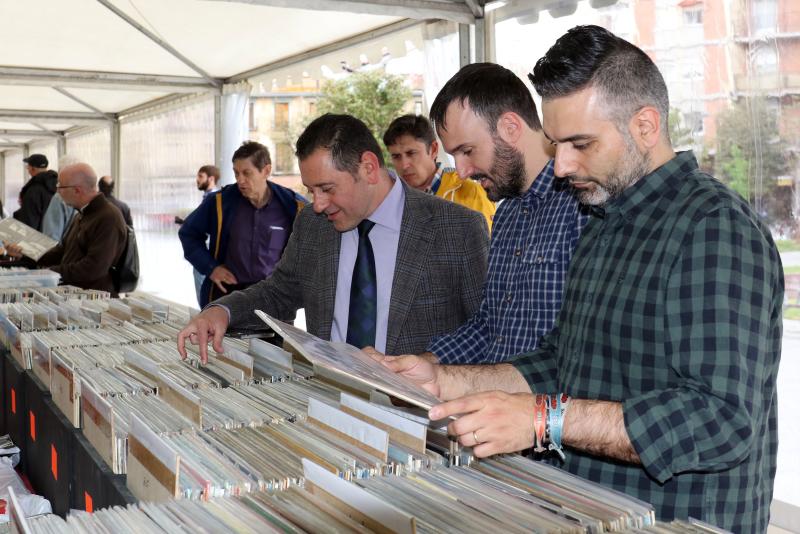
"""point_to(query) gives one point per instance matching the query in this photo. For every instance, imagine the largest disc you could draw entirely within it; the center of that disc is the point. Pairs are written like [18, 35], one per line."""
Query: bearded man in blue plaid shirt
[669, 337]
[487, 120]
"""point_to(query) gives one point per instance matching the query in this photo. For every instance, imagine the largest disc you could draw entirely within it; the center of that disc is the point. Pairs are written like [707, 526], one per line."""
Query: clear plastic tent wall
[15, 179]
[160, 155]
[92, 147]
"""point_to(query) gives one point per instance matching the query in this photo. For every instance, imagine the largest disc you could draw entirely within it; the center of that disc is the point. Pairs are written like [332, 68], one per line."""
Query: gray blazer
[438, 280]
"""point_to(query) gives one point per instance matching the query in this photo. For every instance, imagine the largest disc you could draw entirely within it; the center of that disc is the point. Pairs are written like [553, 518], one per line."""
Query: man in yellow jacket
[413, 148]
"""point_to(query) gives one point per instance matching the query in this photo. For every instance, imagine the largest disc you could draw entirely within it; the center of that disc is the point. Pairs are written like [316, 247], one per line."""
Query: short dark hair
[591, 56]
[213, 170]
[416, 126]
[106, 187]
[490, 90]
[258, 154]
[345, 136]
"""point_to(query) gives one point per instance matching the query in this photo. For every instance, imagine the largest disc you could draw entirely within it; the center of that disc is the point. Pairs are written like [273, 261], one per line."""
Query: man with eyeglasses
[95, 239]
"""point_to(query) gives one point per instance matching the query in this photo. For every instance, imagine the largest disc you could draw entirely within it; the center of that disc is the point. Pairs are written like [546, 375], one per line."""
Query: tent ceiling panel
[35, 98]
[226, 38]
[114, 101]
[10, 125]
[80, 35]
[86, 51]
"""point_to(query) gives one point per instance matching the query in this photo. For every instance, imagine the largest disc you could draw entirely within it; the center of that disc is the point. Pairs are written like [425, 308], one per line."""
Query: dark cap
[37, 161]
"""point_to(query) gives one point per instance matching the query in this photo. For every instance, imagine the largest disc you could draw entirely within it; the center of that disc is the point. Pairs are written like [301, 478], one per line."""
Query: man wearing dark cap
[36, 194]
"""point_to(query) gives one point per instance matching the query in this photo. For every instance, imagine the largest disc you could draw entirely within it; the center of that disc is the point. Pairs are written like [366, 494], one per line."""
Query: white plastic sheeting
[233, 110]
[160, 156]
[15, 179]
[92, 147]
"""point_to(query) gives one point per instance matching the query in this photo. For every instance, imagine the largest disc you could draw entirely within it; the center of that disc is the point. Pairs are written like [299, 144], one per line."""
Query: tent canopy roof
[65, 63]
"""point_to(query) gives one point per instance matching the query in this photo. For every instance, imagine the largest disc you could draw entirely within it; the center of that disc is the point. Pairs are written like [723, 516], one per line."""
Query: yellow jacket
[468, 193]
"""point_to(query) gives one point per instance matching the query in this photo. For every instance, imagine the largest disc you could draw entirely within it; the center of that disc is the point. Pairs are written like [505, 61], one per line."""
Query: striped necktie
[363, 292]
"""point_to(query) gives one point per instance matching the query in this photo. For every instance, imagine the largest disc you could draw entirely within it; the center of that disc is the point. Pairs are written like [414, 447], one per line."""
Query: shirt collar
[641, 194]
[542, 184]
[390, 211]
[437, 179]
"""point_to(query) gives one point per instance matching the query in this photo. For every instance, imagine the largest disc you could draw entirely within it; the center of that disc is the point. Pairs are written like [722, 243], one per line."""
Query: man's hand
[14, 250]
[221, 274]
[416, 368]
[491, 423]
[210, 322]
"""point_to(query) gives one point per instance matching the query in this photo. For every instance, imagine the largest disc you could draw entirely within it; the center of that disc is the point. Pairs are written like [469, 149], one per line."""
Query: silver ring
[475, 437]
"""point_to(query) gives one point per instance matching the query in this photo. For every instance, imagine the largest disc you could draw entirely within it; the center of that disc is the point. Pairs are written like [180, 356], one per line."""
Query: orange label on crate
[88, 500]
[13, 401]
[54, 461]
[33, 424]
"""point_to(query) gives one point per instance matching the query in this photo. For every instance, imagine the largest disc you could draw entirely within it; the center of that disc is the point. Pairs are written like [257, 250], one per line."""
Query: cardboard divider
[97, 415]
[65, 390]
[153, 466]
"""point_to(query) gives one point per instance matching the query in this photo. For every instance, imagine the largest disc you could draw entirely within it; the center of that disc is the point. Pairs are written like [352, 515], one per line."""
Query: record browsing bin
[60, 463]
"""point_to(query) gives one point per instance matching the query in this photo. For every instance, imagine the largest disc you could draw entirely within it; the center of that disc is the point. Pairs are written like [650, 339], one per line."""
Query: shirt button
[508, 297]
[525, 211]
[499, 339]
[518, 252]
[539, 259]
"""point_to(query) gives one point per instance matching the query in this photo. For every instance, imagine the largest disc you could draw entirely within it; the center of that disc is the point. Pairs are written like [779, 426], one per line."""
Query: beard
[203, 186]
[630, 169]
[507, 174]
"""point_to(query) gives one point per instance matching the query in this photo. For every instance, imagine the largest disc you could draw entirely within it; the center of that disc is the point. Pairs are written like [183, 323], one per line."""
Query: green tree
[374, 97]
[679, 134]
[750, 156]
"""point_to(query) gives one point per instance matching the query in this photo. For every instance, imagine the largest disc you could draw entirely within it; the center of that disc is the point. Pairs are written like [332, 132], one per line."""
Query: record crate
[94, 485]
[48, 442]
[58, 437]
[14, 405]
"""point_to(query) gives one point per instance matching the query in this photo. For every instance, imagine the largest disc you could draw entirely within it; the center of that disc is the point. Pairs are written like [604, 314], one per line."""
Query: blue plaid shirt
[533, 238]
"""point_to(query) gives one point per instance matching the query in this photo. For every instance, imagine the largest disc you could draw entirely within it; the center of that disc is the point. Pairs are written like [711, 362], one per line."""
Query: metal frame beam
[29, 133]
[3, 177]
[12, 145]
[476, 6]
[115, 154]
[454, 10]
[160, 42]
[464, 47]
[71, 117]
[103, 80]
[326, 49]
[83, 102]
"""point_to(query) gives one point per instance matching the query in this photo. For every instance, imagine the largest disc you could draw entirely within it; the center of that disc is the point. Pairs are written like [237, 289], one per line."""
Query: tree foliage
[750, 156]
[374, 97]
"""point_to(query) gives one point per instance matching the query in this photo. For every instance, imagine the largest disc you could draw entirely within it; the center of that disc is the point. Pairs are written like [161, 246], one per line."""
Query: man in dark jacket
[106, 186]
[95, 239]
[247, 226]
[36, 194]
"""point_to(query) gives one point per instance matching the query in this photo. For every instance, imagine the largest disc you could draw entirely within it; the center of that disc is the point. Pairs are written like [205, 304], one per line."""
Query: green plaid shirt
[673, 308]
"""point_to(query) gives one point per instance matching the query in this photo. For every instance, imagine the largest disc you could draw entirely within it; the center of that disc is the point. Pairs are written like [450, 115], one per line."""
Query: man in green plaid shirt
[669, 337]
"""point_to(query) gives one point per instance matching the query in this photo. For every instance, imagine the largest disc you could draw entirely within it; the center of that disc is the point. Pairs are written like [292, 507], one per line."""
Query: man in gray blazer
[430, 255]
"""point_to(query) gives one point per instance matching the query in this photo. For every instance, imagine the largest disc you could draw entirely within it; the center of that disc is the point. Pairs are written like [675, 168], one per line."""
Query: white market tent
[70, 64]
